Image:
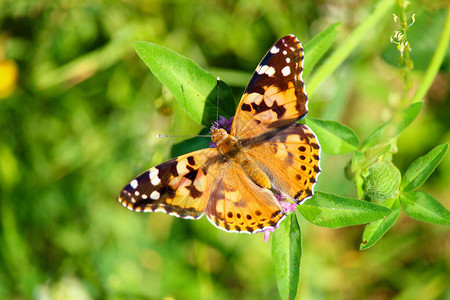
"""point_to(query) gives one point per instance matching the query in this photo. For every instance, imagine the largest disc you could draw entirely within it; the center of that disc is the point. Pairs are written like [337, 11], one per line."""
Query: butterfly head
[218, 134]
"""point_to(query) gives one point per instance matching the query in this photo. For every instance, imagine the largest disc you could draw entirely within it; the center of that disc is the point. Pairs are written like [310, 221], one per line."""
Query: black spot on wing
[246, 107]
[191, 160]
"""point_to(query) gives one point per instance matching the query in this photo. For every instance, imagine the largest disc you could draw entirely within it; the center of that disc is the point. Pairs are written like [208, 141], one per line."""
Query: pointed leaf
[375, 230]
[393, 127]
[286, 255]
[421, 168]
[194, 88]
[333, 211]
[318, 46]
[334, 137]
[423, 207]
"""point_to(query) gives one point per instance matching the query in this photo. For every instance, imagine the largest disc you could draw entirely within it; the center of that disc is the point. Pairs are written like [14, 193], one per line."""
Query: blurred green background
[79, 113]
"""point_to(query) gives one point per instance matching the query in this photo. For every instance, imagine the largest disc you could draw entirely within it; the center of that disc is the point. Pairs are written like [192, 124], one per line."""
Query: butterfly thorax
[230, 147]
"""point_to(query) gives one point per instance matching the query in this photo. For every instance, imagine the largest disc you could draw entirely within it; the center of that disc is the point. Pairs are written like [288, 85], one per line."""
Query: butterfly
[265, 150]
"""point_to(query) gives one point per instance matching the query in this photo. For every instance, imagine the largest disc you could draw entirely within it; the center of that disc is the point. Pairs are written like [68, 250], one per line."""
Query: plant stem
[350, 43]
[404, 59]
[436, 61]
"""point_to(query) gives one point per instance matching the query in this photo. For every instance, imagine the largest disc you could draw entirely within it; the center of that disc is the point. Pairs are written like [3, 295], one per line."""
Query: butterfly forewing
[180, 186]
[275, 95]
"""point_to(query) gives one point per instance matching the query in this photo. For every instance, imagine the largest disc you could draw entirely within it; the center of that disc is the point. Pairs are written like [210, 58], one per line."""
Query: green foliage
[333, 211]
[286, 254]
[336, 138]
[195, 89]
[423, 207]
[421, 168]
[318, 46]
[393, 127]
[79, 113]
[375, 230]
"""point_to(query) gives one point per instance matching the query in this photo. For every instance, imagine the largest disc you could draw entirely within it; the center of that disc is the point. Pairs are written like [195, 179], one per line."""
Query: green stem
[352, 41]
[436, 61]
[404, 60]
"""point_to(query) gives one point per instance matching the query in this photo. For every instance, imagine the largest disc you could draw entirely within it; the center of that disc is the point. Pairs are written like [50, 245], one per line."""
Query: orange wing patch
[237, 204]
[293, 166]
[275, 95]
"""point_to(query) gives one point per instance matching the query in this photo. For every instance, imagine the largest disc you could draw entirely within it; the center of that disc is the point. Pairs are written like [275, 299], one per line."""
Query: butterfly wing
[179, 187]
[237, 204]
[293, 166]
[275, 95]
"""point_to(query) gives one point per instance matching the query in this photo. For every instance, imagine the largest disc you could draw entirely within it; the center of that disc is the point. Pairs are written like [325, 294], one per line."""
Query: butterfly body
[265, 150]
[232, 150]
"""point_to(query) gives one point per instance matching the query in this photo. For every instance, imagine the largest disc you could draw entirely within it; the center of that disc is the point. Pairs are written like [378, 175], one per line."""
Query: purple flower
[225, 123]
[267, 234]
[287, 207]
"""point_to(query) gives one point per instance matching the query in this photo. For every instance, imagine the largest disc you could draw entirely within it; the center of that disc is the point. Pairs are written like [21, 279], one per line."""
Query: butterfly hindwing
[293, 166]
[275, 95]
[237, 204]
[179, 187]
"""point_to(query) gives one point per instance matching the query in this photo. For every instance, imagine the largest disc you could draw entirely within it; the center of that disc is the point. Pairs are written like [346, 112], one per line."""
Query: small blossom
[287, 207]
[225, 123]
[267, 234]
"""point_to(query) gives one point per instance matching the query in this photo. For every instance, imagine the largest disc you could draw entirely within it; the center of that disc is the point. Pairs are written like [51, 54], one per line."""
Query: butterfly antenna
[182, 136]
[217, 108]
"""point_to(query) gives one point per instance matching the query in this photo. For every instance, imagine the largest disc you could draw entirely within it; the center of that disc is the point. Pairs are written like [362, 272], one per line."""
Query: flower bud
[382, 181]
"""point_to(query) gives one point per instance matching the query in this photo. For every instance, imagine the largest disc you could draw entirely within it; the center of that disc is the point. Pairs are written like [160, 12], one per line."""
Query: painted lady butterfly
[265, 150]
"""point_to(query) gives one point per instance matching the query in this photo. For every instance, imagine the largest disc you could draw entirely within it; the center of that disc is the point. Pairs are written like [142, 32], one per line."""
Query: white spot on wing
[270, 71]
[154, 179]
[154, 195]
[136, 193]
[134, 183]
[274, 50]
[144, 196]
[262, 69]
[286, 71]
[284, 52]
[288, 60]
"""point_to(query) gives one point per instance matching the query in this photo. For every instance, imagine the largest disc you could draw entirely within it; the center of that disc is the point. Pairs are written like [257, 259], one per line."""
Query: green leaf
[194, 88]
[318, 46]
[334, 137]
[393, 127]
[375, 230]
[421, 168]
[286, 255]
[423, 207]
[333, 211]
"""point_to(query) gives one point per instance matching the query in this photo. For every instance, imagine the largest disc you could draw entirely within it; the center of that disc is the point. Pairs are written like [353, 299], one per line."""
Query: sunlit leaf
[334, 137]
[393, 127]
[423, 207]
[375, 230]
[286, 254]
[421, 168]
[194, 88]
[318, 46]
[333, 211]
